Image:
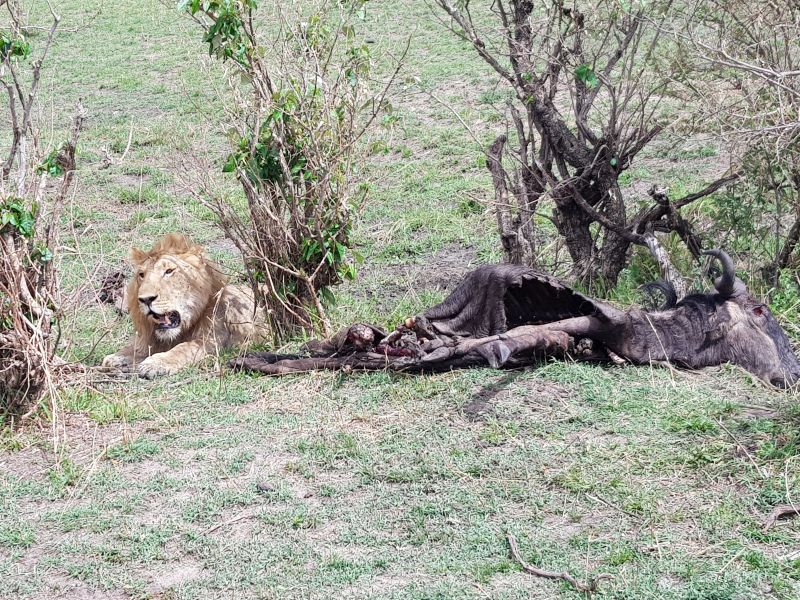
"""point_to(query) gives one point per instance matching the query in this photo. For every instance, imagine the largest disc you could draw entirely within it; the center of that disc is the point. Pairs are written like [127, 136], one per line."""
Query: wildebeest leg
[361, 361]
[548, 342]
[497, 349]
[263, 358]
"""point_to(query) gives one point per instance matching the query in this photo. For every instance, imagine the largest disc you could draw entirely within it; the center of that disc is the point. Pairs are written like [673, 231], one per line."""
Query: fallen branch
[781, 510]
[531, 570]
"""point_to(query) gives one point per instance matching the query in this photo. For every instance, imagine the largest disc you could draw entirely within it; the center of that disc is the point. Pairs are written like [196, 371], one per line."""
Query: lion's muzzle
[169, 320]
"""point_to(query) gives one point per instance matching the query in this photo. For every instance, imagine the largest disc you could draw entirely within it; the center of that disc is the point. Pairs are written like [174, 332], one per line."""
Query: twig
[727, 564]
[742, 448]
[531, 570]
[108, 160]
[602, 500]
[248, 514]
[781, 510]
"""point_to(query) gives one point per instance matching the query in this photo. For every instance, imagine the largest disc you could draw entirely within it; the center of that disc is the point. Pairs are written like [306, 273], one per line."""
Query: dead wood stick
[564, 576]
[602, 500]
[240, 517]
[781, 510]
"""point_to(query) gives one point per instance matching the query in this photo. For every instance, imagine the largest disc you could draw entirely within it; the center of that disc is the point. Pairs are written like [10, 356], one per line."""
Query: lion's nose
[147, 300]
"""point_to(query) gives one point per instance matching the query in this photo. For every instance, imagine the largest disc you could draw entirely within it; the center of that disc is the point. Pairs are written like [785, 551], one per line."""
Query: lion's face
[171, 288]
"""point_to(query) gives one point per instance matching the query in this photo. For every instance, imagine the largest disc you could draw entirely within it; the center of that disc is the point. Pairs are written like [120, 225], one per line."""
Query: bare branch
[591, 586]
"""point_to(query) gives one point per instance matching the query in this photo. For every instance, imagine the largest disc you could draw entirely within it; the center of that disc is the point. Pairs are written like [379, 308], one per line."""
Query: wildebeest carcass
[510, 315]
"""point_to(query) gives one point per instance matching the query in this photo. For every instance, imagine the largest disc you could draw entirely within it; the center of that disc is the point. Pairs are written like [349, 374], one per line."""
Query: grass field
[208, 485]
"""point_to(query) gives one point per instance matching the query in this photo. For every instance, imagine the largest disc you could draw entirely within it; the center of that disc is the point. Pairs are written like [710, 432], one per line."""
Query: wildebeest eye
[169, 271]
[758, 311]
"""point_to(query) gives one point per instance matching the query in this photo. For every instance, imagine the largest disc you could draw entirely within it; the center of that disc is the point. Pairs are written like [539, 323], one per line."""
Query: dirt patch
[174, 575]
[81, 438]
[63, 587]
[128, 180]
[758, 412]
[223, 246]
[386, 585]
[479, 408]
[441, 271]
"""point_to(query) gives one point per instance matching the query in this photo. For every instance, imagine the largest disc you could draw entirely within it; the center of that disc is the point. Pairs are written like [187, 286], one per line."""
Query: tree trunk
[517, 233]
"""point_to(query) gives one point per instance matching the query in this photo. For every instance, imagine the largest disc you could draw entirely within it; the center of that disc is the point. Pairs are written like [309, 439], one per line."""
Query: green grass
[377, 485]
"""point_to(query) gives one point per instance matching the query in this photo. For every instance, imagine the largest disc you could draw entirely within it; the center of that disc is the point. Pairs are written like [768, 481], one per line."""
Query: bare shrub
[34, 182]
[302, 100]
[589, 86]
[747, 89]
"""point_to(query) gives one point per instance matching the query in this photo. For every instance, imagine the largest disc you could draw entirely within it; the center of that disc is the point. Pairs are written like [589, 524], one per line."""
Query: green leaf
[614, 162]
[327, 296]
[586, 75]
[230, 164]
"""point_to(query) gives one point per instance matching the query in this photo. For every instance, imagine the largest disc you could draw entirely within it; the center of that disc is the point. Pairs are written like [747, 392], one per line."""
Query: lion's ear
[198, 250]
[138, 256]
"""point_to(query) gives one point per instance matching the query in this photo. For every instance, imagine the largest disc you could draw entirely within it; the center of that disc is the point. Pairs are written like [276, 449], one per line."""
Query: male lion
[182, 309]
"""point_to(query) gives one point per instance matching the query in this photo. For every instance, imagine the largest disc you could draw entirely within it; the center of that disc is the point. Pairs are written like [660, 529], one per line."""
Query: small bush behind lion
[302, 100]
[31, 206]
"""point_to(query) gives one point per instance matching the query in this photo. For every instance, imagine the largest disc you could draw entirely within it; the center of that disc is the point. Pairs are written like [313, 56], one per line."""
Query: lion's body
[183, 310]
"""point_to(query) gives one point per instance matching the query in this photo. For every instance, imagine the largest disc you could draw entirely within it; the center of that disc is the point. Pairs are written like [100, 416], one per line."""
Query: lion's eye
[141, 274]
[169, 271]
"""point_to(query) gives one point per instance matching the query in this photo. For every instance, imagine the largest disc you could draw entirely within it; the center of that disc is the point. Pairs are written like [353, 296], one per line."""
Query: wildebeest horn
[725, 284]
[666, 289]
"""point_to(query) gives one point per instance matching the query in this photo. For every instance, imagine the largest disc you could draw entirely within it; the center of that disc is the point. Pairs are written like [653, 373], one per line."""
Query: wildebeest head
[742, 330]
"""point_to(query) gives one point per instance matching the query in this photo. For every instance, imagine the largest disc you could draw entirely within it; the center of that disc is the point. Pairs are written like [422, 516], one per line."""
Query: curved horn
[725, 284]
[666, 289]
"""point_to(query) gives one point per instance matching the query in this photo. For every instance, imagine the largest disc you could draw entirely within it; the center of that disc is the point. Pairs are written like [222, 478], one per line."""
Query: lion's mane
[204, 285]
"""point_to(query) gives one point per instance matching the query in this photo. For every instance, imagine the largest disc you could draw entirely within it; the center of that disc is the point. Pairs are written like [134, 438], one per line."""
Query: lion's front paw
[154, 366]
[116, 361]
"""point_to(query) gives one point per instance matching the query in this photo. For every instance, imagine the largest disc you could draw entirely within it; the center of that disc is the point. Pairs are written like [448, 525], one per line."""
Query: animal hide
[487, 320]
[509, 315]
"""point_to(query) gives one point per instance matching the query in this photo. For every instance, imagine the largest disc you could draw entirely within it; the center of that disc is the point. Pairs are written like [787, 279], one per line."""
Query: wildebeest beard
[511, 315]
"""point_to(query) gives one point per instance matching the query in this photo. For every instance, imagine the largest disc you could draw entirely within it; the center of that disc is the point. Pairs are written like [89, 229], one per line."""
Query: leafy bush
[302, 103]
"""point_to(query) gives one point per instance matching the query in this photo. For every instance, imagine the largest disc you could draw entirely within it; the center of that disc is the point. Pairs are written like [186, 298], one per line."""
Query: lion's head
[172, 287]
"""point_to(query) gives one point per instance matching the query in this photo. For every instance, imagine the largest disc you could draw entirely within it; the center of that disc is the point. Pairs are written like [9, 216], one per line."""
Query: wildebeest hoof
[153, 367]
[495, 353]
[116, 361]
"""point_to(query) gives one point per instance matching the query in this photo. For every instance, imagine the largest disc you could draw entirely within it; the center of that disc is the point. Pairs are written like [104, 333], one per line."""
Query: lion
[182, 310]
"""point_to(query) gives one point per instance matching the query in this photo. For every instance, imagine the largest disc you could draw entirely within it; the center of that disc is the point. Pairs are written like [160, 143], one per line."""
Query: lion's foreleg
[173, 360]
[125, 357]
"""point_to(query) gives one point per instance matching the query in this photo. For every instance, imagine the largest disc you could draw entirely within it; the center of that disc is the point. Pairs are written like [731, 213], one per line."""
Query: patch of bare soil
[174, 575]
[384, 586]
[80, 438]
[442, 270]
[62, 587]
[133, 181]
[223, 246]
[87, 440]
